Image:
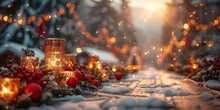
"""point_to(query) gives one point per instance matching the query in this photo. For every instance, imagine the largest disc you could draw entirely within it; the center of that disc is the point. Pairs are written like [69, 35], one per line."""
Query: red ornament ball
[72, 82]
[67, 68]
[90, 77]
[95, 83]
[118, 76]
[36, 91]
[78, 75]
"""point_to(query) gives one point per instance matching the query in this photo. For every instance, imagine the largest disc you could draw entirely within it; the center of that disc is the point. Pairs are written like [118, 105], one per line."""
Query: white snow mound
[213, 84]
[115, 90]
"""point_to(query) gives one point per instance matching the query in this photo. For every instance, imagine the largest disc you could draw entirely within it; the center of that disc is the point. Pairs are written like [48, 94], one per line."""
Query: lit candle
[9, 89]
[31, 63]
[114, 68]
[99, 65]
[70, 60]
[92, 61]
[54, 54]
[104, 75]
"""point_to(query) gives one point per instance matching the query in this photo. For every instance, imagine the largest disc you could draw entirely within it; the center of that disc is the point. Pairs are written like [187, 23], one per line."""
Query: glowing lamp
[98, 65]
[54, 54]
[31, 63]
[114, 68]
[92, 61]
[70, 60]
[9, 89]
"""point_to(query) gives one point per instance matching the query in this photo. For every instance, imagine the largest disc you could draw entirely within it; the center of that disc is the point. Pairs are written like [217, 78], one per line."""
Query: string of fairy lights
[187, 26]
[71, 8]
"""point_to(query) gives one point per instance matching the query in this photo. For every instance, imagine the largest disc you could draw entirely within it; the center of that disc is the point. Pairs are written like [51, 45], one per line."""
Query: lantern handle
[27, 52]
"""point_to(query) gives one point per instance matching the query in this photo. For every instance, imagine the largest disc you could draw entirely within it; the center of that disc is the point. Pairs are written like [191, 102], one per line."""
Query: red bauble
[67, 68]
[90, 77]
[118, 76]
[36, 91]
[78, 75]
[72, 82]
[95, 83]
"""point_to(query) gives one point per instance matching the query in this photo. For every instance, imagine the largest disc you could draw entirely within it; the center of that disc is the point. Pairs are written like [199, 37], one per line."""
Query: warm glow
[113, 40]
[78, 50]
[5, 18]
[186, 26]
[20, 21]
[9, 89]
[195, 66]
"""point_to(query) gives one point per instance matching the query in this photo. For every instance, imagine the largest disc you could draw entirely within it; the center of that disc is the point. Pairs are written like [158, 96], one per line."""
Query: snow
[123, 103]
[115, 90]
[206, 96]
[168, 91]
[136, 102]
[73, 98]
[213, 84]
[103, 55]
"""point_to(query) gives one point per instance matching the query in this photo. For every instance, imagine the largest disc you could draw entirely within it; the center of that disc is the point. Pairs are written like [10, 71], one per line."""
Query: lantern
[98, 65]
[92, 61]
[70, 60]
[114, 68]
[54, 54]
[31, 63]
[9, 89]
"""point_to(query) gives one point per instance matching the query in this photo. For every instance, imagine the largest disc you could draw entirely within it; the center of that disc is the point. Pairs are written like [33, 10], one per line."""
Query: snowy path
[148, 89]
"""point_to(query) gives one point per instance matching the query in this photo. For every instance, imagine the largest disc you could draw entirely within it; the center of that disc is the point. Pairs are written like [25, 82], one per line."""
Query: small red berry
[90, 77]
[45, 72]
[95, 83]
[30, 80]
[19, 69]
[78, 75]
[118, 76]
[67, 68]
[27, 75]
[20, 75]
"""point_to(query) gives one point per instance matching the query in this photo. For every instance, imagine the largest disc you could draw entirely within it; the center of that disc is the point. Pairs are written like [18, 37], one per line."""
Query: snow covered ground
[147, 90]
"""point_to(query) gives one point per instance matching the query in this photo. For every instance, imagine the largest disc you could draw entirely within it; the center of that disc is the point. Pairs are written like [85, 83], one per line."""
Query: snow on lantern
[92, 61]
[54, 53]
[70, 60]
[9, 89]
[29, 61]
